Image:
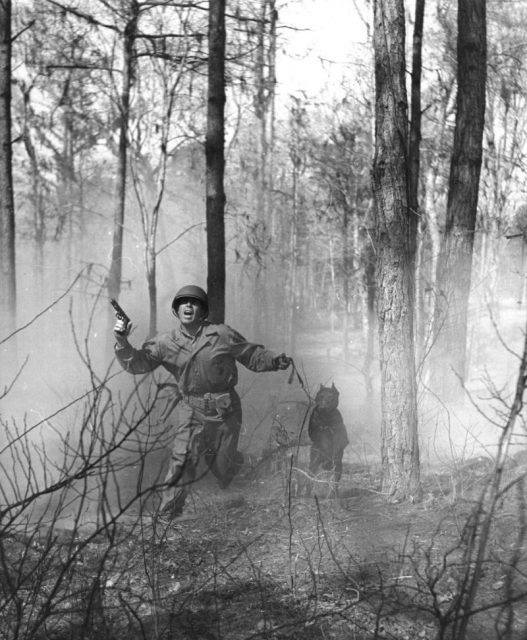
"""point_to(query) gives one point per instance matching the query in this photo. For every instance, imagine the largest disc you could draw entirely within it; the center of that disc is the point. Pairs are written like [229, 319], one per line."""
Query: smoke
[62, 384]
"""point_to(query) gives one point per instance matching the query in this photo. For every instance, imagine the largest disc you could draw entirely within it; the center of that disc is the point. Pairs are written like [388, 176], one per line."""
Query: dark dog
[328, 434]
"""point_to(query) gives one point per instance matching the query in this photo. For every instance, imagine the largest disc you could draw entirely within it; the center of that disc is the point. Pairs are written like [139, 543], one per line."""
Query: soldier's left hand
[282, 361]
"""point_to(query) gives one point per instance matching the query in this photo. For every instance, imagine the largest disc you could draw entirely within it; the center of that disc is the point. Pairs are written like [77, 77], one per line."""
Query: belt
[215, 403]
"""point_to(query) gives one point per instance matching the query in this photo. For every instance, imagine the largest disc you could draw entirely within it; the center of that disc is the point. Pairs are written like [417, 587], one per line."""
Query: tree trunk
[333, 278]
[414, 155]
[7, 209]
[399, 446]
[414, 162]
[215, 162]
[37, 189]
[347, 261]
[150, 198]
[151, 279]
[369, 284]
[260, 106]
[455, 256]
[293, 268]
[129, 37]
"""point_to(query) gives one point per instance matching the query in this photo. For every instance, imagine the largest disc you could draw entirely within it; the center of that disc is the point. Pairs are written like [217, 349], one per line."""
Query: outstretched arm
[254, 356]
[131, 359]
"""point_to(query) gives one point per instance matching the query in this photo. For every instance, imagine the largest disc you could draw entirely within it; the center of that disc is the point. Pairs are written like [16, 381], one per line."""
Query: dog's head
[327, 398]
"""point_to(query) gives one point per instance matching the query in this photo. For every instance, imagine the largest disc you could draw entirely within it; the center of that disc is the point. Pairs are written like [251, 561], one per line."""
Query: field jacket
[204, 363]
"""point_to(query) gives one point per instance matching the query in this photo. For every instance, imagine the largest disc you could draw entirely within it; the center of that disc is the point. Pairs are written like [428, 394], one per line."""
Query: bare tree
[455, 256]
[415, 123]
[129, 37]
[264, 103]
[215, 160]
[414, 164]
[296, 213]
[7, 209]
[502, 172]
[124, 22]
[400, 451]
[153, 142]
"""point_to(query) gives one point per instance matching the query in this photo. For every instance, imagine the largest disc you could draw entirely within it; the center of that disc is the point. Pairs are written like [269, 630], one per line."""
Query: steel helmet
[191, 291]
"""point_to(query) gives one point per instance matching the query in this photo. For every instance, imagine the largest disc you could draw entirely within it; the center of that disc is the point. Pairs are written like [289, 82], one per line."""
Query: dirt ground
[268, 559]
[259, 561]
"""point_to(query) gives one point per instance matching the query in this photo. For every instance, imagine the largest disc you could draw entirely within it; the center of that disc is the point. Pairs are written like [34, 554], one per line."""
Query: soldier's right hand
[282, 362]
[122, 328]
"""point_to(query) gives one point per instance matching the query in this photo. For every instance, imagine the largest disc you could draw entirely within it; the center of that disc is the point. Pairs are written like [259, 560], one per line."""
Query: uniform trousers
[202, 443]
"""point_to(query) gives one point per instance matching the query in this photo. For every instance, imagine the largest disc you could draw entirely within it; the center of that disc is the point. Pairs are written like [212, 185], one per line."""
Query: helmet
[191, 291]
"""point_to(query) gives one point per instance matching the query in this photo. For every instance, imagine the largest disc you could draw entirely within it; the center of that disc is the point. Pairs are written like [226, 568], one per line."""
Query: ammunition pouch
[212, 405]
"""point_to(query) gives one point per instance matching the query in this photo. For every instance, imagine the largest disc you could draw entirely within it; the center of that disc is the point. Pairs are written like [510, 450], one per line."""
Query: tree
[165, 70]
[343, 178]
[123, 21]
[414, 163]
[455, 257]
[129, 37]
[433, 110]
[264, 106]
[504, 158]
[7, 209]
[399, 444]
[298, 157]
[415, 123]
[215, 161]
[58, 116]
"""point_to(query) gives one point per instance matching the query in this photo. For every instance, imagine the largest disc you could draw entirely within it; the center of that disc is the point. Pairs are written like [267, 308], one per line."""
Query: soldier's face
[190, 312]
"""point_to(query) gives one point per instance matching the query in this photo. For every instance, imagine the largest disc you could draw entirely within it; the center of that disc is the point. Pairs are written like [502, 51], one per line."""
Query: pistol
[119, 311]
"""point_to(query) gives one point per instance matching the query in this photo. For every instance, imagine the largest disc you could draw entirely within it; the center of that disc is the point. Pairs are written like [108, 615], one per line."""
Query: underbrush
[255, 562]
[84, 555]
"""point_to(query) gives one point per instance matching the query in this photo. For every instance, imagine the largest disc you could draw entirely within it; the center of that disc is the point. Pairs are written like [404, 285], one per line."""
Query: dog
[328, 435]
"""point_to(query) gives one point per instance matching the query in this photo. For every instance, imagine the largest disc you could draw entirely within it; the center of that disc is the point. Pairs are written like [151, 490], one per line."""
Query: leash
[294, 371]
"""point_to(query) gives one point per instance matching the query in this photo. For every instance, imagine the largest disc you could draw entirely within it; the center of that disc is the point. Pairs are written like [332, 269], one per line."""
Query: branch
[85, 16]
[41, 313]
[198, 224]
[28, 26]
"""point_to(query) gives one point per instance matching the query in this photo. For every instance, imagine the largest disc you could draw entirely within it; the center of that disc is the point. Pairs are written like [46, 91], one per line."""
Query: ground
[258, 561]
[269, 559]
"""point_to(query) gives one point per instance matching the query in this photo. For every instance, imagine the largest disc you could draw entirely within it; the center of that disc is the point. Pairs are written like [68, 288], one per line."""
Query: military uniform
[209, 410]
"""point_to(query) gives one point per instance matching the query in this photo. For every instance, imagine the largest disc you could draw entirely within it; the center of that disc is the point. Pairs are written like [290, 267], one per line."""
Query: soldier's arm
[253, 356]
[135, 360]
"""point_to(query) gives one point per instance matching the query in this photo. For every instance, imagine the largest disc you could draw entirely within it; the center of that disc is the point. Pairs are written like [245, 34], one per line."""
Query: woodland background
[300, 232]
[108, 117]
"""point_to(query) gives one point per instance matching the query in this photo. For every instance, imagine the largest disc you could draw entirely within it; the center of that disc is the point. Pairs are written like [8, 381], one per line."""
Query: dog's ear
[333, 386]
[321, 387]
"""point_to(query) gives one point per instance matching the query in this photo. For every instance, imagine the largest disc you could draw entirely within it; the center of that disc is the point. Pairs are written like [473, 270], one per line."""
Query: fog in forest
[65, 345]
[64, 341]
[340, 224]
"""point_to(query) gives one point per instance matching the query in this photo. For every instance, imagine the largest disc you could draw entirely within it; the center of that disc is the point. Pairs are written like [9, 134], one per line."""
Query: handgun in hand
[120, 313]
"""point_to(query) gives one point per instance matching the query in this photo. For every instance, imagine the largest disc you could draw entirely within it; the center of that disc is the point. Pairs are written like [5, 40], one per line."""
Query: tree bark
[414, 163]
[37, 190]
[414, 155]
[455, 255]
[368, 259]
[347, 262]
[7, 208]
[129, 37]
[215, 162]
[399, 444]
[264, 111]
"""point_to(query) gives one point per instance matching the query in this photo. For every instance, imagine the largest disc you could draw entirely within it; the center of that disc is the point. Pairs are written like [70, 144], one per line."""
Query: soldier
[202, 357]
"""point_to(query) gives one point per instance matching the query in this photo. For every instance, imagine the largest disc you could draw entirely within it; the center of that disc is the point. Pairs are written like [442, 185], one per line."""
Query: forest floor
[265, 560]
[258, 561]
